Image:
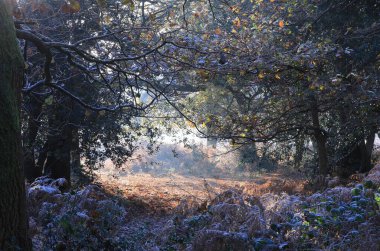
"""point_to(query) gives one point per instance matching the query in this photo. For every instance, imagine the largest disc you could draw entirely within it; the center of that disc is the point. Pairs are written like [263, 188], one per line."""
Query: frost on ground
[92, 218]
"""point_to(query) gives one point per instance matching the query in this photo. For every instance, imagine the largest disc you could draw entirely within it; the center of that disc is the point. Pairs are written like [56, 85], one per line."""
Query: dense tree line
[273, 73]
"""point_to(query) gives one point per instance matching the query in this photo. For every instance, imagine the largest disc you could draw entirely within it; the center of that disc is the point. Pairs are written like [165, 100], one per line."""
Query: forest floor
[150, 211]
[165, 192]
[162, 181]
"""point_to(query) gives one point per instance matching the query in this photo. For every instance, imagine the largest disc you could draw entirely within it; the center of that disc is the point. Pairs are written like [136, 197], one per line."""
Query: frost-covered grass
[340, 218]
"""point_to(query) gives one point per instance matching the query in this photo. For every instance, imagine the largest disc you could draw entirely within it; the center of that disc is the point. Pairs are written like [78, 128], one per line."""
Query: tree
[305, 68]
[90, 76]
[13, 217]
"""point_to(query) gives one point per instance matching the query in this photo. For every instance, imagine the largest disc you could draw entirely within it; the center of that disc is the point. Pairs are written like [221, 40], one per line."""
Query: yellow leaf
[261, 75]
[236, 22]
[277, 76]
[231, 80]
[190, 124]
[107, 19]
[75, 5]
[206, 36]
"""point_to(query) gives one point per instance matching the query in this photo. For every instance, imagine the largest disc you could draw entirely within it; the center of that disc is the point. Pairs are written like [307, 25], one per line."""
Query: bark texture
[13, 217]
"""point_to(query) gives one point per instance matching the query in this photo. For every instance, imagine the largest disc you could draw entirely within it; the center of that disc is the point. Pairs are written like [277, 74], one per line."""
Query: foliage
[86, 218]
[267, 72]
[333, 223]
[325, 221]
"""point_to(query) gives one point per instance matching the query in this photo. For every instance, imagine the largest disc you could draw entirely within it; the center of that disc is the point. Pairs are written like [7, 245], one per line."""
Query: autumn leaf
[190, 124]
[206, 36]
[203, 74]
[75, 5]
[235, 9]
[218, 31]
[72, 6]
[236, 22]
[88, 113]
[281, 24]
[129, 3]
[231, 80]
[152, 17]
[40, 6]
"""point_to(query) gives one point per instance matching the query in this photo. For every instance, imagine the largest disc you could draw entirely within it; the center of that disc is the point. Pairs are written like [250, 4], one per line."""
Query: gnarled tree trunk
[13, 217]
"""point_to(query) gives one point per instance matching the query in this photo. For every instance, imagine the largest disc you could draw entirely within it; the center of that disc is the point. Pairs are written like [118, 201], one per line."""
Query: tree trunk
[359, 158]
[55, 155]
[366, 148]
[32, 171]
[249, 158]
[58, 155]
[42, 158]
[13, 216]
[320, 139]
[75, 151]
[300, 150]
